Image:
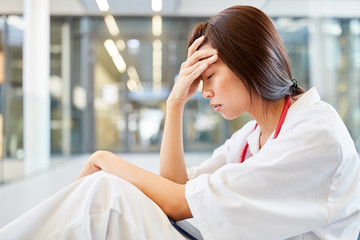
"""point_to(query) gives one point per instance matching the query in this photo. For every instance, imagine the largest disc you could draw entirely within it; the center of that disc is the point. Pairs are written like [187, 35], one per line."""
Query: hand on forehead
[206, 47]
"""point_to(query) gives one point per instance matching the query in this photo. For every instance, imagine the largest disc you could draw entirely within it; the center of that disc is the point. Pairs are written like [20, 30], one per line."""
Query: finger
[187, 71]
[195, 45]
[200, 55]
[196, 72]
[195, 85]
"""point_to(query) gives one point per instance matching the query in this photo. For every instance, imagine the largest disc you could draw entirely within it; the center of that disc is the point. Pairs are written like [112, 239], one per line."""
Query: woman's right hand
[190, 72]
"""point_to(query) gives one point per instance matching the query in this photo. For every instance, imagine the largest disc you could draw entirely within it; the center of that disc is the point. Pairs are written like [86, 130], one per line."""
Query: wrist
[175, 104]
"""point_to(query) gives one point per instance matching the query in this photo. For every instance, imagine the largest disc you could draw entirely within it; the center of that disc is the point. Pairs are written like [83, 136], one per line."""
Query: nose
[206, 91]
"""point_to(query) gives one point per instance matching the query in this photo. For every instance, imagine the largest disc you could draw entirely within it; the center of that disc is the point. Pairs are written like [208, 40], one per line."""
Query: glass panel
[349, 76]
[108, 102]
[203, 128]
[335, 54]
[294, 33]
[77, 100]
[57, 87]
[96, 105]
[13, 112]
[2, 81]
[352, 53]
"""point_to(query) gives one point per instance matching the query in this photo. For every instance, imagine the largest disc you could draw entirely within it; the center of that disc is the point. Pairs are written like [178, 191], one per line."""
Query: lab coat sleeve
[222, 154]
[280, 192]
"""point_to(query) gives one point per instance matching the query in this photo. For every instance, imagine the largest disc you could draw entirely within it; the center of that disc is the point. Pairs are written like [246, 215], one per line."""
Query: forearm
[169, 196]
[172, 164]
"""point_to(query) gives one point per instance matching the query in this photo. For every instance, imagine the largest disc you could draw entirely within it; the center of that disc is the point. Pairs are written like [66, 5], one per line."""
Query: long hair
[249, 44]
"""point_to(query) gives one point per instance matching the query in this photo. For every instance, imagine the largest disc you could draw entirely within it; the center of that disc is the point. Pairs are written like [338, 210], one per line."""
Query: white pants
[99, 206]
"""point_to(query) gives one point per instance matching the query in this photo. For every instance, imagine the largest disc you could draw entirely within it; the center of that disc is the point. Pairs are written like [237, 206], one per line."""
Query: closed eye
[210, 76]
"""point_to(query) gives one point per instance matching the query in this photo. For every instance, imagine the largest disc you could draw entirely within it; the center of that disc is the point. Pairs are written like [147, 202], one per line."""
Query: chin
[230, 117]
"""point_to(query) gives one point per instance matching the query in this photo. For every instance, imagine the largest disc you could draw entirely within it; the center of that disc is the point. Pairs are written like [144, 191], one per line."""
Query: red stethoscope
[278, 127]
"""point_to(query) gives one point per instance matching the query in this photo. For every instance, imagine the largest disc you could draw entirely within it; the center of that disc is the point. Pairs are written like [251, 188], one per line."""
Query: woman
[291, 173]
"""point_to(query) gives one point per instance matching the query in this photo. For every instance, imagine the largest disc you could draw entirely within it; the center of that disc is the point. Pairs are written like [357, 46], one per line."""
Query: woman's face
[227, 93]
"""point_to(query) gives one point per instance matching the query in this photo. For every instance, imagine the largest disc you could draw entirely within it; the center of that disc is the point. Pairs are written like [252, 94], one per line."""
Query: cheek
[238, 102]
[235, 111]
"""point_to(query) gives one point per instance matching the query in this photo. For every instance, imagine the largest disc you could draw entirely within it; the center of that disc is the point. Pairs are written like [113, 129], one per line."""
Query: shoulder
[317, 118]
[310, 113]
[319, 127]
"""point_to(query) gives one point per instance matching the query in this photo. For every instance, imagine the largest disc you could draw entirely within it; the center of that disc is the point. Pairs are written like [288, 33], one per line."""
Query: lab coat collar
[309, 98]
[253, 140]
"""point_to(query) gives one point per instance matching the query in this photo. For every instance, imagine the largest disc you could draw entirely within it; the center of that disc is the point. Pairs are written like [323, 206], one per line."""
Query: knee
[103, 181]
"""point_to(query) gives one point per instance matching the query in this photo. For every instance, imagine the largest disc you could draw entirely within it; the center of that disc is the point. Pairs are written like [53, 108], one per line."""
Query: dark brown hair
[249, 44]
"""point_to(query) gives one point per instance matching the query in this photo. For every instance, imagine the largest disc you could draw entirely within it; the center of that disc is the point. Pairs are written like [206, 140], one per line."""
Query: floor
[19, 196]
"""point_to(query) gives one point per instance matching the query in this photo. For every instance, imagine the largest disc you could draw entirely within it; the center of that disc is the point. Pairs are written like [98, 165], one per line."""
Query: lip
[216, 107]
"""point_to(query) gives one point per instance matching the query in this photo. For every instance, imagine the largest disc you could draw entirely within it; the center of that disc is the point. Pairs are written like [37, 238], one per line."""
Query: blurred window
[109, 88]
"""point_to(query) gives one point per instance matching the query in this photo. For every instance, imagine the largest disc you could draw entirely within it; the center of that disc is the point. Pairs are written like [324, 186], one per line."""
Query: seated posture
[291, 173]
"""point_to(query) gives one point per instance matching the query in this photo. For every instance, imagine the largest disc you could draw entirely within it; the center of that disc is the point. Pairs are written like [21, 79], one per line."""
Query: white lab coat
[302, 185]
[99, 206]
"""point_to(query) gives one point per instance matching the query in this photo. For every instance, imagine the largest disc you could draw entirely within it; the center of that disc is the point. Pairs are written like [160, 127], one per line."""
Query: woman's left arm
[168, 195]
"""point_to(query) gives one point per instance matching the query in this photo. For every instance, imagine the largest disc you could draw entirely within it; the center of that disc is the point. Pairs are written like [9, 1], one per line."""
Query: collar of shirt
[309, 98]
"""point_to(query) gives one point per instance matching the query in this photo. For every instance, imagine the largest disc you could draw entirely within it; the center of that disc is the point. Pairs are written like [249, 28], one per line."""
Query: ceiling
[311, 8]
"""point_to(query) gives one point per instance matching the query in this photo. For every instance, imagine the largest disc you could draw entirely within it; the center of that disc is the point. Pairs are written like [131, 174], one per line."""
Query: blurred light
[132, 125]
[134, 83]
[103, 5]
[131, 71]
[133, 43]
[205, 122]
[156, 5]
[357, 59]
[157, 65]
[200, 87]
[131, 84]
[119, 63]
[157, 44]
[115, 55]
[332, 28]
[110, 93]
[55, 86]
[355, 26]
[55, 48]
[291, 25]
[16, 21]
[157, 25]
[149, 124]
[111, 47]
[79, 97]
[121, 44]
[112, 25]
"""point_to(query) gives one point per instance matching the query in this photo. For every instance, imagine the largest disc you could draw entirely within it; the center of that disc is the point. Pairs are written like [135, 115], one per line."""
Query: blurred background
[112, 64]
[112, 68]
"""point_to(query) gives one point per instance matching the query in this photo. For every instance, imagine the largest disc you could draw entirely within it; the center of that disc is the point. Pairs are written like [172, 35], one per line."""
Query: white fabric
[302, 185]
[99, 206]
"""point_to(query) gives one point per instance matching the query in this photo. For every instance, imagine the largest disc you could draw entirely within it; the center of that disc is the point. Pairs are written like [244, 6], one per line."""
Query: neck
[267, 115]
